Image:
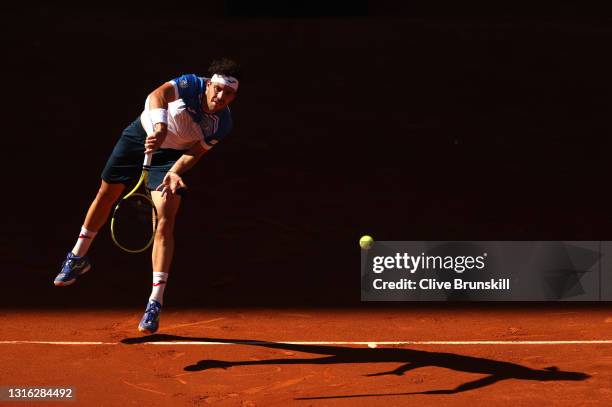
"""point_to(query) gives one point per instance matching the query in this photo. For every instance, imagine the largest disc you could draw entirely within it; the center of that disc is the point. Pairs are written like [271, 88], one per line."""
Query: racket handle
[147, 160]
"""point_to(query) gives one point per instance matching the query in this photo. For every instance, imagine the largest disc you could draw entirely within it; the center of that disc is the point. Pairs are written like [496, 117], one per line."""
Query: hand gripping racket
[134, 219]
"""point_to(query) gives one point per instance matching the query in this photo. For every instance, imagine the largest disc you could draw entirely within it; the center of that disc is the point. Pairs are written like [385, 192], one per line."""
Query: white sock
[159, 284]
[83, 242]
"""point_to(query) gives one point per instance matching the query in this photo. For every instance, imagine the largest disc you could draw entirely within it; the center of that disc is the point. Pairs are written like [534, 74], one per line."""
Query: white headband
[225, 80]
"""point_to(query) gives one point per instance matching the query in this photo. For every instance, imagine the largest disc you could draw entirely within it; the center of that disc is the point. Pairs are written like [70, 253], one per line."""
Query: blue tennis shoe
[72, 268]
[150, 320]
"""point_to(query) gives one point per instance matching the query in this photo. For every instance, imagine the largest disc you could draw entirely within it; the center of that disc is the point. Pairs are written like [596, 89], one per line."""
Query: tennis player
[182, 120]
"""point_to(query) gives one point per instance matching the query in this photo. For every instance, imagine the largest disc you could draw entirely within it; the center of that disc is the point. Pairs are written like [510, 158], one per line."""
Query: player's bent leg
[163, 249]
[101, 207]
[76, 265]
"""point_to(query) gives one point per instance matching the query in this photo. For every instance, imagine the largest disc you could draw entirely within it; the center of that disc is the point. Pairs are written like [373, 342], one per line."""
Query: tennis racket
[134, 219]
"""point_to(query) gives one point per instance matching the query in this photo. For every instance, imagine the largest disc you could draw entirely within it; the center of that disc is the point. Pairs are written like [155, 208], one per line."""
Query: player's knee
[109, 193]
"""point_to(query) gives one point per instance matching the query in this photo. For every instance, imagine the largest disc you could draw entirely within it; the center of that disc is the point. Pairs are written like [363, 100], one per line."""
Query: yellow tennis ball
[366, 242]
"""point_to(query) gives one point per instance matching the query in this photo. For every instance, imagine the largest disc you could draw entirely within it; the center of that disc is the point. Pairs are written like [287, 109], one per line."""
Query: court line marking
[368, 343]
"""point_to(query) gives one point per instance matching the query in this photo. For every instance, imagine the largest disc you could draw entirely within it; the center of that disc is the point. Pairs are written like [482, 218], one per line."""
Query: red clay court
[558, 356]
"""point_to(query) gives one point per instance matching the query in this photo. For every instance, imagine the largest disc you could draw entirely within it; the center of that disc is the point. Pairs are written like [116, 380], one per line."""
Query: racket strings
[134, 222]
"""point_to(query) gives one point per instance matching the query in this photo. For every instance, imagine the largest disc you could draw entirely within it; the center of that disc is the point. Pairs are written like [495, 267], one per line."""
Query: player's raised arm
[157, 106]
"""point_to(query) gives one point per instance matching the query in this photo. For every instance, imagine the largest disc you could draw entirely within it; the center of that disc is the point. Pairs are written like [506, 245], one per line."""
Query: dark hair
[224, 66]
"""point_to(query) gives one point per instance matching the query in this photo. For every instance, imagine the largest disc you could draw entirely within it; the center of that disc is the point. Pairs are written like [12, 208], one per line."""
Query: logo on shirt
[183, 83]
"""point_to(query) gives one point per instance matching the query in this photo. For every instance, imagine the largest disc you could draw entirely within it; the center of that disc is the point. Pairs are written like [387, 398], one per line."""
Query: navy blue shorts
[124, 165]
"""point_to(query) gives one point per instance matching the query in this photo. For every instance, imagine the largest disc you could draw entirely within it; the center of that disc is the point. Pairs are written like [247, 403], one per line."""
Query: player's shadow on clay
[411, 359]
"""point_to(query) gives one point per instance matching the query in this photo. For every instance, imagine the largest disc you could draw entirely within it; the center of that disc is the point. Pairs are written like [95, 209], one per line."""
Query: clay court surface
[302, 357]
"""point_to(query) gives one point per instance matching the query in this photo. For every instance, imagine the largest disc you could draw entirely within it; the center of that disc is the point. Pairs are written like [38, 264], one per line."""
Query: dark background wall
[415, 122]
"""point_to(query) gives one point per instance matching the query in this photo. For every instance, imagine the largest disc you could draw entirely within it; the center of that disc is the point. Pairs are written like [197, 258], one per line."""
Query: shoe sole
[145, 330]
[70, 282]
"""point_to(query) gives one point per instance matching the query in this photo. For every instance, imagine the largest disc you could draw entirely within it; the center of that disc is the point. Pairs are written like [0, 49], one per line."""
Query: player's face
[218, 96]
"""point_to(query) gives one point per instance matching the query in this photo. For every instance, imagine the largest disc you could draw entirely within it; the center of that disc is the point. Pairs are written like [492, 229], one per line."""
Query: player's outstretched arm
[173, 181]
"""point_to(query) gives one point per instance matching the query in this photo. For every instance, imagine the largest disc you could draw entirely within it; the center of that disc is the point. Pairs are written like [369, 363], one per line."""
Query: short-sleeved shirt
[188, 123]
